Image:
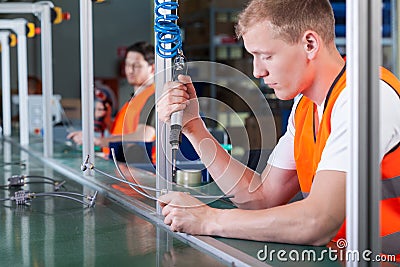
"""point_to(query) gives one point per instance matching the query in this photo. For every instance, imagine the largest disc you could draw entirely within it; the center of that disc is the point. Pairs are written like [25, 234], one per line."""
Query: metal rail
[6, 81]
[363, 189]
[87, 91]
[42, 11]
[19, 27]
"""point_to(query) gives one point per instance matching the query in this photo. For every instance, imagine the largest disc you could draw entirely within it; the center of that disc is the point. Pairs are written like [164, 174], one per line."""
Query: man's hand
[179, 96]
[184, 213]
[101, 142]
[76, 137]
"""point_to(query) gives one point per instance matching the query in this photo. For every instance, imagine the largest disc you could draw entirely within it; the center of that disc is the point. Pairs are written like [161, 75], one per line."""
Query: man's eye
[134, 66]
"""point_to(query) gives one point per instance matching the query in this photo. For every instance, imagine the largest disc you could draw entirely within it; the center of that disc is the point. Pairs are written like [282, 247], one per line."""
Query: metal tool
[175, 137]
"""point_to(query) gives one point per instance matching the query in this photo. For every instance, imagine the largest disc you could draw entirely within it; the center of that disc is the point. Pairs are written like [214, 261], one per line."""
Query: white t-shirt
[336, 155]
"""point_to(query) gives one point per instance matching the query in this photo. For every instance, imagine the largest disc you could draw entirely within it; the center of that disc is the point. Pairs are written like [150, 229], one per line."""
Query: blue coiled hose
[165, 25]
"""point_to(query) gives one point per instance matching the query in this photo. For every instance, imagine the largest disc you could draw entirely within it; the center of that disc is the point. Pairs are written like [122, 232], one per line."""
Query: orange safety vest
[127, 119]
[308, 151]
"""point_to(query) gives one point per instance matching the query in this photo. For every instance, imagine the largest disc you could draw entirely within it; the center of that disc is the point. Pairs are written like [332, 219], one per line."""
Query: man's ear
[311, 41]
[153, 68]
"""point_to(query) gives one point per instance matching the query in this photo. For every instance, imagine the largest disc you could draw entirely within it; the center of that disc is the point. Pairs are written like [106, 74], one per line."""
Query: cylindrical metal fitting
[188, 177]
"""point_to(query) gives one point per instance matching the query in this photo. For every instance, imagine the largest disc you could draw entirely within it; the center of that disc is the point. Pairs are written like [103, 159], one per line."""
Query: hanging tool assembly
[169, 45]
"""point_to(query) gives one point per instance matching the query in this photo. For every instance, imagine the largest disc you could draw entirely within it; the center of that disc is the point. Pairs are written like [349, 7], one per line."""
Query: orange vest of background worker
[127, 119]
[308, 148]
[139, 109]
[134, 124]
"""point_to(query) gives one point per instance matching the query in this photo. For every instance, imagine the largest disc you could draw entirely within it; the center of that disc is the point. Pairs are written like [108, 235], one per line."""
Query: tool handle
[176, 118]
[179, 67]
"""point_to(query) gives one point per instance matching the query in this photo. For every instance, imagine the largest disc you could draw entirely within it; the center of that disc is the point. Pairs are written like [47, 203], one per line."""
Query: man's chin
[283, 96]
[132, 81]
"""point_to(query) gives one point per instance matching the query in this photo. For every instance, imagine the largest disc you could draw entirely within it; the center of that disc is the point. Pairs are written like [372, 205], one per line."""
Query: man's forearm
[105, 141]
[313, 220]
[293, 223]
[231, 176]
[143, 133]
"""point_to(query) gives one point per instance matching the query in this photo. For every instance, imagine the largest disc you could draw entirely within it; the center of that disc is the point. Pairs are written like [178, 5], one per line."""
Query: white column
[47, 79]
[42, 11]
[6, 84]
[23, 87]
[363, 188]
[163, 73]
[19, 27]
[86, 37]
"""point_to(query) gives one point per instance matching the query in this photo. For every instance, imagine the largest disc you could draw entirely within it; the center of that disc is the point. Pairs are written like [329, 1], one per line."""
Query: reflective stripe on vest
[390, 244]
[391, 188]
[308, 151]
[305, 194]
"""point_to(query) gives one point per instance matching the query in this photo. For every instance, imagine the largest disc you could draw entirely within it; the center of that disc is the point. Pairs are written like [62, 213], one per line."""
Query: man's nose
[259, 70]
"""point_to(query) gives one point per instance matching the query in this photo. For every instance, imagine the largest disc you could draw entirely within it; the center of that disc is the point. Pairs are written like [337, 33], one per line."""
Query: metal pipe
[42, 11]
[87, 91]
[163, 73]
[23, 84]
[363, 189]
[19, 27]
[47, 77]
[6, 82]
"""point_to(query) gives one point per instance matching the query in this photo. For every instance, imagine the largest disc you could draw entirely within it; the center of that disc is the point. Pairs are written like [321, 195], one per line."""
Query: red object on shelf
[66, 16]
[121, 51]
[225, 39]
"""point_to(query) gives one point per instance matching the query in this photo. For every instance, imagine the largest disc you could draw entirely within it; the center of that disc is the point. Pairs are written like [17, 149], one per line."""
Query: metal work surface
[59, 232]
[123, 228]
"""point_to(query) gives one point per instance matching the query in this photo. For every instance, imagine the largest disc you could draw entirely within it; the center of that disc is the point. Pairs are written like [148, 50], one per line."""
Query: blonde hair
[290, 18]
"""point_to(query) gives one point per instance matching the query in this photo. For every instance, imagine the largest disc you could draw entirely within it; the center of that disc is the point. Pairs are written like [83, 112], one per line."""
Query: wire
[167, 31]
[124, 177]
[87, 165]
[133, 185]
[44, 182]
[39, 177]
[163, 191]
[23, 197]
[59, 195]
[22, 164]
[20, 180]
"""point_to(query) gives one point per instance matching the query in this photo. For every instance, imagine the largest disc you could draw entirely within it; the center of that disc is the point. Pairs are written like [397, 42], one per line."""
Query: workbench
[122, 229]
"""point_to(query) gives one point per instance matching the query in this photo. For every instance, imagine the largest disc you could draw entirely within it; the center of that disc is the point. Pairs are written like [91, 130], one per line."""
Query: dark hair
[144, 48]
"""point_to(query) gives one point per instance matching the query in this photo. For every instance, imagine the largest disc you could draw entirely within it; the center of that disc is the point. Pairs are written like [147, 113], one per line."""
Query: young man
[293, 47]
[135, 120]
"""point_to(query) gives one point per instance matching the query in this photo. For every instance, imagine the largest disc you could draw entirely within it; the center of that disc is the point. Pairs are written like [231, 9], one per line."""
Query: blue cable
[165, 25]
